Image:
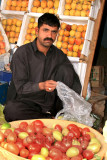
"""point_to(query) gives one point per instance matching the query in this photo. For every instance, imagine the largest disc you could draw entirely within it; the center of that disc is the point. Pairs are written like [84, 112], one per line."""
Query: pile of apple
[12, 28]
[43, 6]
[17, 5]
[2, 44]
[31, 30]
[36, 141]
[71, 38]
[77, 8]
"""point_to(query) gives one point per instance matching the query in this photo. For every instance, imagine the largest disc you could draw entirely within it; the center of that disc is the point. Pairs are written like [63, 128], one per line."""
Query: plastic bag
[75, 108]
[2, 119]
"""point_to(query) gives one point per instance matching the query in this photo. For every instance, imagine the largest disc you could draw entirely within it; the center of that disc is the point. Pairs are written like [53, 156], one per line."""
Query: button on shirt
[29, 67]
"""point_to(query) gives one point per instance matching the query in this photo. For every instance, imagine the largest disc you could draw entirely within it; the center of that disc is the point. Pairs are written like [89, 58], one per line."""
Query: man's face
[47, 35]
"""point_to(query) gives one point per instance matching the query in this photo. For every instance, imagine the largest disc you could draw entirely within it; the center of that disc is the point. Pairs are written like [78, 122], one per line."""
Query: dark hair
[49, 19]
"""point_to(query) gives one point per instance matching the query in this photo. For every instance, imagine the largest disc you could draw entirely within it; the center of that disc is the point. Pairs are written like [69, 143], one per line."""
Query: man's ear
[36, 31]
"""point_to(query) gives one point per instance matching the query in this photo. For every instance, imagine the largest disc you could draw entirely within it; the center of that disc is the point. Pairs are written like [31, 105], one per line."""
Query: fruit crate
[3, 91]
[44, 6]
[82, 32]
[12, 25]
[82, 10]
[52, 122]
[15, 7]
[27, 25]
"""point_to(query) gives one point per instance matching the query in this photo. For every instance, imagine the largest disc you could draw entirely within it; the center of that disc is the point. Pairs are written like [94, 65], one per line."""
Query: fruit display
[16, 5]
[12, 27]
[77, 8]
[44, 6]
[50, 140]
[71, 38]
[2, 44]
[31, 30]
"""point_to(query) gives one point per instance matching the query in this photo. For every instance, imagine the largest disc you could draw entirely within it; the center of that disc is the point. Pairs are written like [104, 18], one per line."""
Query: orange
[46, 10]
[1, 38]
[40, 10]
[28, 37]
[34, 9]
[9, 2]
[36, 3]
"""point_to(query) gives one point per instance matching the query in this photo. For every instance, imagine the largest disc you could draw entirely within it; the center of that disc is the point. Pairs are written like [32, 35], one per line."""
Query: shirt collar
[36, 49]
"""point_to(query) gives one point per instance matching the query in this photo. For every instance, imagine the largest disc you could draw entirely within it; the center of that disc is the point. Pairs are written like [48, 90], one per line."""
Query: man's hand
[48, 85]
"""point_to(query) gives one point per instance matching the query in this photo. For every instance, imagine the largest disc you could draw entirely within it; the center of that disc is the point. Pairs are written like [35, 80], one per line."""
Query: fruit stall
[77, 38]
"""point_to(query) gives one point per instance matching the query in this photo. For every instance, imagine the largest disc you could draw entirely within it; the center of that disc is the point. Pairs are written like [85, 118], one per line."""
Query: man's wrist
[41, 86]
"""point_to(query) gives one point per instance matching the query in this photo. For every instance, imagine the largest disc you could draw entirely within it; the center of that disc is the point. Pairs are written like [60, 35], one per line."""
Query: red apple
[68, 27]
[71, 40]
[78, 41]
[70, 47]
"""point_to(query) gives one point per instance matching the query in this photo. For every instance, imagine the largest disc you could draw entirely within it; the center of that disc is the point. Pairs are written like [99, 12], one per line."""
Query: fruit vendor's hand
[48, 85]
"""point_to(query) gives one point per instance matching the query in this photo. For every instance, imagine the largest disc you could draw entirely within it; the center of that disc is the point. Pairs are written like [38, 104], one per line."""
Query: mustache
[48, 39]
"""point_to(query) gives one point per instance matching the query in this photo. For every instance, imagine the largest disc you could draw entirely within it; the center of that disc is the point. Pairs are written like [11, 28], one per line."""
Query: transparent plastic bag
[75, 107]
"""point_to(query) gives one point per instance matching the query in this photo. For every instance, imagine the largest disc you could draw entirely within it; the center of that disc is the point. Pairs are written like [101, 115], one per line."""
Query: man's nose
[49, 34]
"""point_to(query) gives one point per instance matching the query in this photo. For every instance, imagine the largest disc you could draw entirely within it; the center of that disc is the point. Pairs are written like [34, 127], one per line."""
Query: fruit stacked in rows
[12, 28]
[17, 5]
[31, 30]
[71, 38]
[77, 8]
[43, 6]
[36, 141]
[2, 44]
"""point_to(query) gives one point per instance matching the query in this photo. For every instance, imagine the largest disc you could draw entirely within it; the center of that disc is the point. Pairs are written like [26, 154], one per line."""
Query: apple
[85, 7]
[68, 27]
[2, 46]
[66, 33]
[77, 13]
[72, 152]
[59, 44]
[64, 50]
[68, 1]
[65, 39]
[83, 13]
[83, 34]
[73, 5]
[70, 47]
[63, 25]
[78, 41]
[57, 135]
[72, 33]
[70, 53]
[79, 7]
[68, 6]
[71, 40]
[67, 12]
[64, 45]
[94, 140]
[74, 27]
[80, 47]
[85, 27]
[80, 28]
[75, 142]
[72, 12]
[5, 126]
[75, 54]
[78, 34]
[61, 32]
[75, 48]
[59, 38]
[56, 4]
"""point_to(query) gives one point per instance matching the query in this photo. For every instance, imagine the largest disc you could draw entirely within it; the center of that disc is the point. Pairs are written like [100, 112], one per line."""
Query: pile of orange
[2, 44]
[71, 38]
[17, 5]
[43, 6]
[12, 28]
[77, 8]
[31, 30]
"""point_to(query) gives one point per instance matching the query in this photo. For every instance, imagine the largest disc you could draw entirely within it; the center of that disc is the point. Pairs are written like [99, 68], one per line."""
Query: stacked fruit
[2, 44]
[31, 30]
[71, 38]
[12, 28]
[17, 5]
[77, 8]
[36, 141]
[44, 6]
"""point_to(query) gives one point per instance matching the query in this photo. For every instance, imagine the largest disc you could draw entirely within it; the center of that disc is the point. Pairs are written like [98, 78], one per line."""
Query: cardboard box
[97, 76]
[3, 91]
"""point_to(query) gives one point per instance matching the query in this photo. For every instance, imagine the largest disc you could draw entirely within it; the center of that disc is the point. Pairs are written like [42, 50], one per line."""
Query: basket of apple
[50, 139]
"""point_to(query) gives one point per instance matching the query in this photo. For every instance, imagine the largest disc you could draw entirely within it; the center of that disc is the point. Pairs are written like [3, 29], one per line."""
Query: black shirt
[29, 67]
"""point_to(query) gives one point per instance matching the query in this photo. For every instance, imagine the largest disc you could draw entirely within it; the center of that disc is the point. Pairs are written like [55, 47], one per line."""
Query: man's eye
[54, 32]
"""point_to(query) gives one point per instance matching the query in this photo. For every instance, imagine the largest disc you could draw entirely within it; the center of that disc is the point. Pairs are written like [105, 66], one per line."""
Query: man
[36, 68]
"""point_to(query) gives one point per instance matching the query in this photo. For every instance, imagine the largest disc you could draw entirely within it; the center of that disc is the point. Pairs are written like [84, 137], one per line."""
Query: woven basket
[49, 123]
